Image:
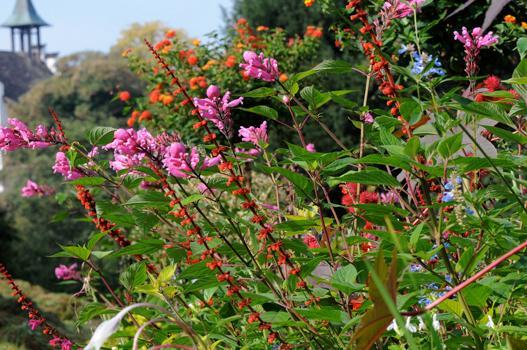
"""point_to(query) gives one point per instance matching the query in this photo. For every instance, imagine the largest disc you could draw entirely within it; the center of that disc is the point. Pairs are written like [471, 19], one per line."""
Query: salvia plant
[412, 239]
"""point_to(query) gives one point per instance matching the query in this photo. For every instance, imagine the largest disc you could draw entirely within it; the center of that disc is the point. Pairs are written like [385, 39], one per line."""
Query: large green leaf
[264, 111]
[101, 135]
[366, 177]
[344, 279]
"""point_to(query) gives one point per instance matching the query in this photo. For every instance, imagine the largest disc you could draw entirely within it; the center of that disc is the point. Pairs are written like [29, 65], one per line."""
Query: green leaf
[366, 177]
[149, 199]
[101, 135]
[146, 246]
[264, 111]
[484, 109]
[328, 66]
[325, 314]
[79, 252]
[166, 274]
[521, 45]
[507, 135]
[411, 111]
[449, 146]
[412, 146]
[135, 275]
[192, 198]
[344, 279]
[88, 181]
[260, 92]
[296, 226]
[302, 184]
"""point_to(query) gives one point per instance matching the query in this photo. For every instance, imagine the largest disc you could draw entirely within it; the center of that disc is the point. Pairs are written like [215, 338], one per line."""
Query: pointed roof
[24, 15]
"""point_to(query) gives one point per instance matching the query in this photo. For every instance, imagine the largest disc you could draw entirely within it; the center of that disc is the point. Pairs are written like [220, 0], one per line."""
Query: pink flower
[179, 161]
[310, 148]
[311, 241]
[475, 39]
[367, 118]
[130, 147]
[389, 197]
[66, 273]
[64, 344]
[203, 189]
[400, 9]
[473, 42]
[32, 189]
[34, 323]
[62, 166]
[259, 67]
[253, 152]
[218, 110]
[256, 136]
[17, 135]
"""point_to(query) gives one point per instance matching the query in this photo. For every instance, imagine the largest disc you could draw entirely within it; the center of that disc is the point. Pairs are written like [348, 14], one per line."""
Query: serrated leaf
[135, 275]
[101, 135]
[449, 146]
[260, 92]
[146, 246]
[344, 279]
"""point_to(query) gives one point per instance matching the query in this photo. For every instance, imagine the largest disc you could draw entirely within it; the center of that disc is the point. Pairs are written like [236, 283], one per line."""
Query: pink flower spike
[260, 67]
[34, 323]
[256, 136]
[218, 110]
[62, 166]
[66, 273]
[32, 189]
[367, 118]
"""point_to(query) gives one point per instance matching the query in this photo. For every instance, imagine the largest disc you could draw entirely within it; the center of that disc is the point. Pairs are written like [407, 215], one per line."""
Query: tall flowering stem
[186, 219]
[36, 320]
[243, 192]
[88, 202]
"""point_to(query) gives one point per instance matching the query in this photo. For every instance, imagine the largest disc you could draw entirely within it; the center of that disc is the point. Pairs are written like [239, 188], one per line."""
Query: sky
[78, 25]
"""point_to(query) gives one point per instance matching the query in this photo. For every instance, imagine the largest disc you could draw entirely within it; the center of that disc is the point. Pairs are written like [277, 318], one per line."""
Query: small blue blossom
[447, 197]
[421, 61]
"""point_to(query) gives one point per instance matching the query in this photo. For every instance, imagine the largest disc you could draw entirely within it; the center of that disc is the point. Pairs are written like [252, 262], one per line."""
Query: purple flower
[257, 136]
[367, 118]
[310, 148]
[389, 197]
[401, 9]
[130, 147]
[259, 67]
[62, 166]
[32, 189]
[66, 273]
[218, 110]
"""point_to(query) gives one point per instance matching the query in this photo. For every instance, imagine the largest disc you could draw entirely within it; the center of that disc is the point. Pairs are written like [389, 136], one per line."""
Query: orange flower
[231, 61]
[262, 28]
[209, 64]
[126, 52]
[155, 95]
[146, 115]
[309, 3]
[524, 25]
[242, 21]
[283, 78]
[131, 121]
[198, 82]
[166, 99]
[196, 42]
[125, 96]
[192, 60]
[509, 19]
[170, 34]
[313, 32]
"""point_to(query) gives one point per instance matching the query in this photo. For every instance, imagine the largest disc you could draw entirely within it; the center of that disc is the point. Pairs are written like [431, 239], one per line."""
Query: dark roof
[18, 72]
[24, 15]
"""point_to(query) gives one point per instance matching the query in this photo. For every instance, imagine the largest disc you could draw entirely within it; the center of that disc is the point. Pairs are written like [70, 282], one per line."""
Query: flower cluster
[66, 273]
[17, 135]
[218, 109]
[32, 189]
[473, 42]
[62, 166]
[259, 67]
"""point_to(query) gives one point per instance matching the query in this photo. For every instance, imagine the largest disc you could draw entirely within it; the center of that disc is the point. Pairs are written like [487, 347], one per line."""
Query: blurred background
[68, 55]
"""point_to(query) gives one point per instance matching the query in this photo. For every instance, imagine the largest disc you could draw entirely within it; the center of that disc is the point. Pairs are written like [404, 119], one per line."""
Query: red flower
[492, 83]
[192, 60]
[125, 96]
[368, 197]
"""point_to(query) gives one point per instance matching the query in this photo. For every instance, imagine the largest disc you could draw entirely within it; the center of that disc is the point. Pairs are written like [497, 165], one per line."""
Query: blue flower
[447, 197]
[421, 61]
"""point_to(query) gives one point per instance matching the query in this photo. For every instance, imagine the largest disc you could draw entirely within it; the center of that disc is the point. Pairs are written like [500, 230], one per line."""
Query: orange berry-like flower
[133, 118]
[509, 19]
[283, 78]
[196, 42]
[146, 115]
[524, 25]
[309, 3]
[230, 62]
[170, 34]
[192, 60]
[125, 96]
[262, 28]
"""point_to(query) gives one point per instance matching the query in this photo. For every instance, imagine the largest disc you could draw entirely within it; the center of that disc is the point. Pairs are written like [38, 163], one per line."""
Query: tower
[25, 23]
